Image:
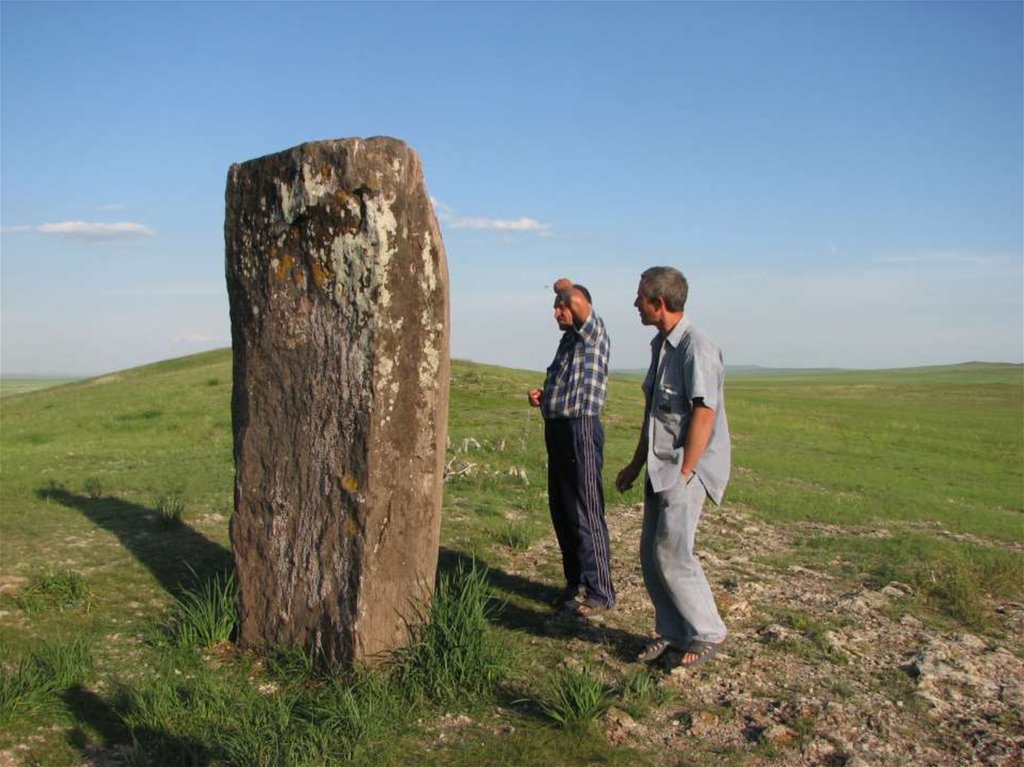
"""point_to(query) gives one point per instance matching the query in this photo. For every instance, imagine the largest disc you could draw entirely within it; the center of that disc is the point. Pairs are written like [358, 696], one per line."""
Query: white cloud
[88, 231]
[522, 224]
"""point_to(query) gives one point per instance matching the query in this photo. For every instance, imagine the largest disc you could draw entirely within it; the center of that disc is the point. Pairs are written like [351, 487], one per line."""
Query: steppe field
[869, 561]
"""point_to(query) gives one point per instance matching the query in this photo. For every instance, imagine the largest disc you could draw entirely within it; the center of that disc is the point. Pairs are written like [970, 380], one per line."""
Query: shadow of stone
[170, 554]
[544, 621]
[118, 744]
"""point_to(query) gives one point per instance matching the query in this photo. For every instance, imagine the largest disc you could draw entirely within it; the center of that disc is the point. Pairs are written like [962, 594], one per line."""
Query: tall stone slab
[338, 285]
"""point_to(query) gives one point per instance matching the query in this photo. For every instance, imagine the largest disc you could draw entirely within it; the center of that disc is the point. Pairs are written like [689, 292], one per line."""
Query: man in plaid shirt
[571, 402]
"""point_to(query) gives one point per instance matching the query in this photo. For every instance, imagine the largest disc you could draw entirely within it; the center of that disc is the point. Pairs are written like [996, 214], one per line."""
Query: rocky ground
[818, 669]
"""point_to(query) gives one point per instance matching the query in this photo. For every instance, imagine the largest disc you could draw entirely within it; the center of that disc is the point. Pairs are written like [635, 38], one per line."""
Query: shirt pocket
[673, 411]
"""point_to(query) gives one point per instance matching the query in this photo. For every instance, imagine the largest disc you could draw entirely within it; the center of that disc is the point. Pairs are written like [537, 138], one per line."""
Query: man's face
[563, 316]
[649, 311]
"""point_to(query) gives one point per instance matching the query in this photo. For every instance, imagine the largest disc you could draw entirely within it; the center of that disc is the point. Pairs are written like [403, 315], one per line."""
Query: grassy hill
[116, 494]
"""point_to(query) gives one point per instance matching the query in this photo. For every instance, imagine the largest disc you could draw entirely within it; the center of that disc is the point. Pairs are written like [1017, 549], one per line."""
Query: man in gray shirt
[685, 444]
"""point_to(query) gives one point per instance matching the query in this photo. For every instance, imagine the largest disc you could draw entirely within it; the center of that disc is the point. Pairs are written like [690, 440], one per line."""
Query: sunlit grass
[575, 697]
[930, 463]
[54, 589]
[35, 681]
[453, 654]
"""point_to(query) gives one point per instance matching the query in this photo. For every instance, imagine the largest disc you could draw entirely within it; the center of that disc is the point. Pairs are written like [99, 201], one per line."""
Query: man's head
[662, 290]
[585, 292]
[563, 314]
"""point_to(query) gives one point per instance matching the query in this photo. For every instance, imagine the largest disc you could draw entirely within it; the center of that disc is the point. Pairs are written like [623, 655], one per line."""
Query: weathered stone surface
[338, 286]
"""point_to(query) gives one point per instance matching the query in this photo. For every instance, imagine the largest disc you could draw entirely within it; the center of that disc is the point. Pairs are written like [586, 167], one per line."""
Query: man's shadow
[544, 621]
[175, 554]
[158, 746]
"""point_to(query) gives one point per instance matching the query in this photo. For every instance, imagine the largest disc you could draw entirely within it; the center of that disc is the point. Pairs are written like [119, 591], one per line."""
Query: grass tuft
[267, 732]
[35, 682]
[518, 537]
[93, 487]
[577, 697]
[171, 510]
[452, 654]
[359, 714]
[60, 589]
[293, 665]
[194, 717]
[205, 616]
[641, 689]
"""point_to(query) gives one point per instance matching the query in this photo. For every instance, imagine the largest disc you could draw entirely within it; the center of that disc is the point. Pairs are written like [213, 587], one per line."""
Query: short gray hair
[665, 283]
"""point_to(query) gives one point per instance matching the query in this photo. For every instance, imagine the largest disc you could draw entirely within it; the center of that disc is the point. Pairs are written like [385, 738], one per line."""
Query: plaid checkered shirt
[577, 378]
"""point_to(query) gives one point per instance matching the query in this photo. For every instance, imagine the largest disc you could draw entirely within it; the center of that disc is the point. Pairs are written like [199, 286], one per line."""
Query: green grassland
[116, 494]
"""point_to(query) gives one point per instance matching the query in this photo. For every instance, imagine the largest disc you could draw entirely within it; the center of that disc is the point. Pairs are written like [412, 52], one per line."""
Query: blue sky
[841, 182]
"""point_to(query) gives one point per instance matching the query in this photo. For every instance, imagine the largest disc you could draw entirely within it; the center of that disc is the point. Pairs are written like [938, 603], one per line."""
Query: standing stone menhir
[339, 321]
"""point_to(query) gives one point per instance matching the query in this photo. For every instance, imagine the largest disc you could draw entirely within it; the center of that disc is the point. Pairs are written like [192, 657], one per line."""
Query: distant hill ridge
[220, 355]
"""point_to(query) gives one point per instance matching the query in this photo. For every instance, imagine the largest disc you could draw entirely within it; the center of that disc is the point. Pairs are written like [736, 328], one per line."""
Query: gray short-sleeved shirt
[690, 368]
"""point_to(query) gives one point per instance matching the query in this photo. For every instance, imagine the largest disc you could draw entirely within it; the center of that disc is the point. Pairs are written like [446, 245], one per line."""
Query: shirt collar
[677, 333]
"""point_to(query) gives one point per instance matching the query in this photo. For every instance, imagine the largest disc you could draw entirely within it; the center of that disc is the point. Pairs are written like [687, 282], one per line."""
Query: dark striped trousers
[576, 497]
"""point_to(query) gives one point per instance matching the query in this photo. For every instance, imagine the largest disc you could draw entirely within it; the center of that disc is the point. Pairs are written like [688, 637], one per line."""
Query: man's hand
[562, 284]
[534, 397]
[627, 477]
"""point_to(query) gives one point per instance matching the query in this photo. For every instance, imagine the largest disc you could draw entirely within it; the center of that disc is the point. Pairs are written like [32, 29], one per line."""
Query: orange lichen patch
[351, 527]
[299, 278]
[342, 196]
[350, 483]
[320, 274]
[284, 266]
[325, 172]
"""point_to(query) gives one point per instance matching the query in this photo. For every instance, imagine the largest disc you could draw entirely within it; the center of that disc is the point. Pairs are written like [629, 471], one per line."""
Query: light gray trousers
[684, 608]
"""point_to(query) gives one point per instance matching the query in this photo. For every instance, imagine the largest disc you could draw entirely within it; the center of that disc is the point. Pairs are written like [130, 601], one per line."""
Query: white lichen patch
[317, 183]
[429, 277]
[429, 366]
[387, 384]
[360, 260]
[385, 367]
[292, 204]
[306, 190]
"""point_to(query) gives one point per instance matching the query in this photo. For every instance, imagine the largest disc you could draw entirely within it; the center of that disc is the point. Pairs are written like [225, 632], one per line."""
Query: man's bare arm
[628, 475]
[698, 434]
[578, 304]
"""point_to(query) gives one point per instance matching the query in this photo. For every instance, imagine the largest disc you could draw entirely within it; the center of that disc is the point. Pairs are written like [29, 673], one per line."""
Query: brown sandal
[654, 650]
[701, 653]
